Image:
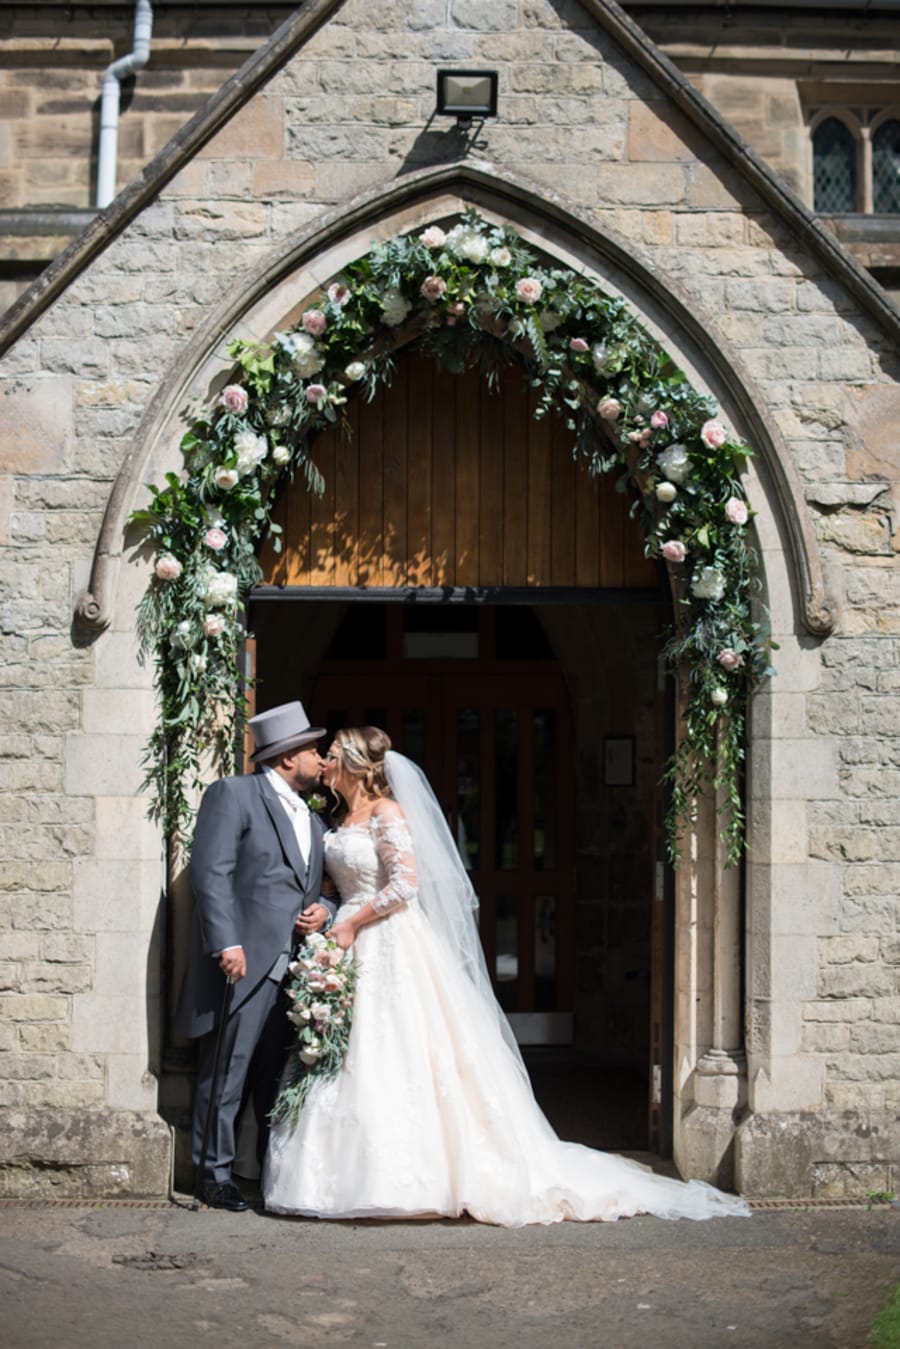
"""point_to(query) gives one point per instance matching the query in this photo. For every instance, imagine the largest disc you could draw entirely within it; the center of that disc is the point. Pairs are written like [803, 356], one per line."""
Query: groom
[256, 871]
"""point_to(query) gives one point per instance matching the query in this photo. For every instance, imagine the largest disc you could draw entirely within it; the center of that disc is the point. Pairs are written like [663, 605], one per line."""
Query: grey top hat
[280, 729]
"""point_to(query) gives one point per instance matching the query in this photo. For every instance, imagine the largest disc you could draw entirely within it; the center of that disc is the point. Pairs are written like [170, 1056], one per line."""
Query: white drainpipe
[109, 101]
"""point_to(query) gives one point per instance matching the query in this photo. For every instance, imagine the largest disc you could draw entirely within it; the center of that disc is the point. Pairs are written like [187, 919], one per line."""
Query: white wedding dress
[432, 1112]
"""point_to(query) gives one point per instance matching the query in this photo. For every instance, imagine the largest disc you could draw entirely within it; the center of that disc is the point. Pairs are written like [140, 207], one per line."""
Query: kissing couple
[432, 1112]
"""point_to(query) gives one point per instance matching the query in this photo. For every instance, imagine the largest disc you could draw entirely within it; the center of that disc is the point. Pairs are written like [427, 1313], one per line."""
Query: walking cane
[213, 1091]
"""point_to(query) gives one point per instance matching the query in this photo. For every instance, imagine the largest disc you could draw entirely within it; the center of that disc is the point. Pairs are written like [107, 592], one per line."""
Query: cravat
[299, 813]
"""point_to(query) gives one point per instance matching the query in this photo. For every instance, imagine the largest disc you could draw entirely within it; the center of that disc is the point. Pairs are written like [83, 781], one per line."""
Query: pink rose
[713, 434]
[729, 659]
[529, 290]
[736, 511]
[433, 287]
[433, 237]
[334, 982]
[314, 322]
[234, 398]
[578, 344]
[168, 568]
[673, 550]
[315, 393]
[659, 421]
[609, 409]
[214, 626]
[454, 311]
[338, 294]
[215, 538]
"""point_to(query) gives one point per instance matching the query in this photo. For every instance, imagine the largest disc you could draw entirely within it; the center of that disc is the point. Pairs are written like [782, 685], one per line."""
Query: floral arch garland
[474, 295]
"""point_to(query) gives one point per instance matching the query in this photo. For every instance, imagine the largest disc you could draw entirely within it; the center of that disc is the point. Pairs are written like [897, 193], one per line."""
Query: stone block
[854, 980]
[849, 950]
[821, 1036]
[649, 185]
[121, 965]
[795, 770]
[794, 1082]
[869, 412]
[35, 424]
[43, 1037]
[24, 1007]
[843, 1010]
[282, 178]
[129, 1085]
[115, 896]
[255, 132]
[103, 765]
[106, 1024]
[871, 1067]
[85, 1155]
[123, 712]
[868, 913]
[124, 832]
[42, 977]
[849, 1180]
[877, 1037]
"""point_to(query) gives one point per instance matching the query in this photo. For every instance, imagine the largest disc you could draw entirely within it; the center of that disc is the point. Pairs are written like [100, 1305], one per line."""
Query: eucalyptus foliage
[473, 296]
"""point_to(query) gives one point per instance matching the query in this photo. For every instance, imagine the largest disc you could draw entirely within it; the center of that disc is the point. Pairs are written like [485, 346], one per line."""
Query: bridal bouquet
[321, 987]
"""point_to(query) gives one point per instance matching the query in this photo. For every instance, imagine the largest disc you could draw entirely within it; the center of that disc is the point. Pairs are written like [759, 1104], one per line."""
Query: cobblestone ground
[154, 1276]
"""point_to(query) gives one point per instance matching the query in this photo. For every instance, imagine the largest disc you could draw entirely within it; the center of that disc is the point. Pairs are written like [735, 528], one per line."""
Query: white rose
[600, 355]
[395, 307]
[226, 478]
[251, 451]
[308, 1056]
[719, 697]
[281, 455]
[500, 257]
[548, 320]
[666, 492]
[181, 637]
[468, 243]
[675, 463]
[355, 370]
[433, 237]
[220, 589]
[708, 584]
[308, 359]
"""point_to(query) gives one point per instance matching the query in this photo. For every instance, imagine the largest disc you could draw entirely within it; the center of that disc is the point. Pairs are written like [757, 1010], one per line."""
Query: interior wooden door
[496, 745]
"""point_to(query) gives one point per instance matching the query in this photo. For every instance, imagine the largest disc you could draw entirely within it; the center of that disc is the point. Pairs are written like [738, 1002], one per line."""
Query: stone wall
[83, 966]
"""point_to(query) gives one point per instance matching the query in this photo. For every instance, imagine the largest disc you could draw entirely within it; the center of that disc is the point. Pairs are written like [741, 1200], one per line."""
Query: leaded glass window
[886, 168]
[834, 167]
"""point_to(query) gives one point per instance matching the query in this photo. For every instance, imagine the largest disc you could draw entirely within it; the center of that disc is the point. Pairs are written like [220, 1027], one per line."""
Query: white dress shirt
[297, 811]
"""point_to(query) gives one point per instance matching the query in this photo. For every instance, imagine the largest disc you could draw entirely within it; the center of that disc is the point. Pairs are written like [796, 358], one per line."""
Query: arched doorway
[464, 583]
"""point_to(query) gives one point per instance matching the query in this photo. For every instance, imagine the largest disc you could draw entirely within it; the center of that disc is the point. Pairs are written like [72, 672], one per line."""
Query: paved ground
[117, 1277]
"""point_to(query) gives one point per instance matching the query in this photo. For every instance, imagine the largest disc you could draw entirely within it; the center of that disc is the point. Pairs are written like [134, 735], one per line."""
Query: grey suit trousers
[242, 1034]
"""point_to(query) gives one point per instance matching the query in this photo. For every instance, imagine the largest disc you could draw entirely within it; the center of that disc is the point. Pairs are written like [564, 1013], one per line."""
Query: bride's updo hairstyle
[361, 751]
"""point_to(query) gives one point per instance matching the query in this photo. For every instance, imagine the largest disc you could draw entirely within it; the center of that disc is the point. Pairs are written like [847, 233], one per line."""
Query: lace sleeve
[394, 848]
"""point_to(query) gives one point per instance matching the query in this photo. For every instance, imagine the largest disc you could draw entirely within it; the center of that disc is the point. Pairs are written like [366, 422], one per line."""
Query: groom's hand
[312, 919]
[233, 963]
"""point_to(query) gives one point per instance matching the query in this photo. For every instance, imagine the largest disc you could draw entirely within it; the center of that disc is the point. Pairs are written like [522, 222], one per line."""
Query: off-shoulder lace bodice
[373, 862]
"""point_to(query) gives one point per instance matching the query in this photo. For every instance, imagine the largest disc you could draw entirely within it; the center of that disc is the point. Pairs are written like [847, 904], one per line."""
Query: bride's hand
[344, 935]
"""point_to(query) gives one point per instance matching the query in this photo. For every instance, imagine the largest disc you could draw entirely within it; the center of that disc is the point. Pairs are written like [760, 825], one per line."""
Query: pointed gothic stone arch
[275, 291]
[711, 1075]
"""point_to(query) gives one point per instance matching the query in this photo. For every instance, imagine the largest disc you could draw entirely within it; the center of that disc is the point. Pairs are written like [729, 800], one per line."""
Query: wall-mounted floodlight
[466, 95]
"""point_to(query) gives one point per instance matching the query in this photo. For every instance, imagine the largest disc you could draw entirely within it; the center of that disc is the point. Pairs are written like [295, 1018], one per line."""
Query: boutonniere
[315, 803]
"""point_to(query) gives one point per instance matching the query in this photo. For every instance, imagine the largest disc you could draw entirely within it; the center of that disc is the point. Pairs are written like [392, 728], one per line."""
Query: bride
[432, 1112]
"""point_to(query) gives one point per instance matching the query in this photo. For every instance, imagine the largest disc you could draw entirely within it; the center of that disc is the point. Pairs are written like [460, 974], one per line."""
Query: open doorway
[542, 728]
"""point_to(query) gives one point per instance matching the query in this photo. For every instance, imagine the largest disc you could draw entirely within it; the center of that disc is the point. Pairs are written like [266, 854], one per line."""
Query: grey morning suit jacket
[250, 883]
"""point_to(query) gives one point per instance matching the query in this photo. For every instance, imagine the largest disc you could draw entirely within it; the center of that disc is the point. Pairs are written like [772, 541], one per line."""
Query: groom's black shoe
[223, 1194]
